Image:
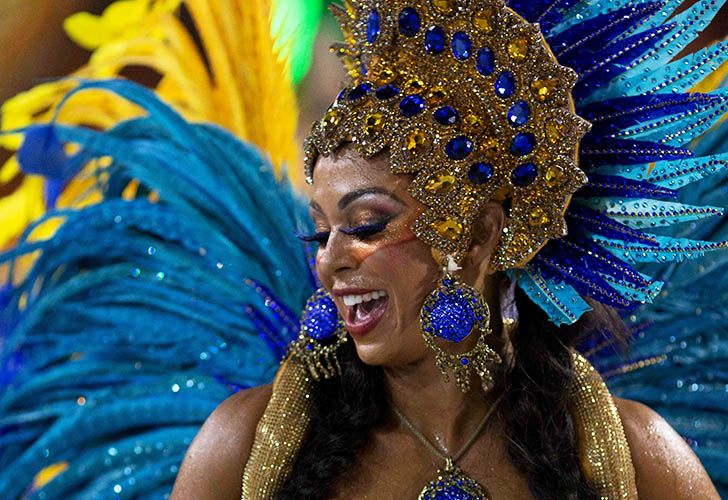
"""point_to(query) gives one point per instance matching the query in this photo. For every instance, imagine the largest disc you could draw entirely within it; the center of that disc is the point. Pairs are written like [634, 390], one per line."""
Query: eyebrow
[349, 198]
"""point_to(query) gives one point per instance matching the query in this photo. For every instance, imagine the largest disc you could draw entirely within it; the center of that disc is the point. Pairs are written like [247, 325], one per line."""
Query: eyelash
[361, 232]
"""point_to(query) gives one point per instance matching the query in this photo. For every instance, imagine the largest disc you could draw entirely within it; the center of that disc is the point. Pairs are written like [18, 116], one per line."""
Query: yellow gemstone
[538, 217]
[554, 177]
[443, 6]
[543, 90]
[555, 130]
[385, 76]
[441, 184]
[448, 228]
[518, 49]
[483, 19]
[472, 124]
[414, 86]
[374, 123]
[437, 95]
[331, 118]
[489, 147]
[416, 142]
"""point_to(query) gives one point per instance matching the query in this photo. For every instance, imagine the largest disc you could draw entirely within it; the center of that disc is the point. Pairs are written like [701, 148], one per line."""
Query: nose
[335, 257]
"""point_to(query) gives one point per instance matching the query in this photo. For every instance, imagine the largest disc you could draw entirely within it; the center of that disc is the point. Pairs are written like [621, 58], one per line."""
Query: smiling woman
[473, 227]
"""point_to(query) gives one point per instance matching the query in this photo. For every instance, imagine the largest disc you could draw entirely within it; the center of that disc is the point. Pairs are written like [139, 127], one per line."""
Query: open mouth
[363, 312]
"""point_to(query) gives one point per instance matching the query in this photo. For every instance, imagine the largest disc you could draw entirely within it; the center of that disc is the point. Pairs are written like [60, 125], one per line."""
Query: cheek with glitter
[364, 251]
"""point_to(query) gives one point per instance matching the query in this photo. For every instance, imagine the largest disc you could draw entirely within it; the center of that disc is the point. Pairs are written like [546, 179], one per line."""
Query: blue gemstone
[523, 144]
[452, 317]
[461, 46]
[373, 26]
[446, 115]
[412, 105]
[485, 61]
[342, 94]
[519, 114]
[409, 22]
[321, 318]
[523, 175]
[480, 173]
[359, 91]
[435, 40]
[505, 86]
[459, 148]
[464, 361]
[386, 92]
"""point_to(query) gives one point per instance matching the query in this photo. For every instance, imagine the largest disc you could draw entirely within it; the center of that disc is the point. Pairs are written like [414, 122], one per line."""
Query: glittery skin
[603, 449]
[452, 111]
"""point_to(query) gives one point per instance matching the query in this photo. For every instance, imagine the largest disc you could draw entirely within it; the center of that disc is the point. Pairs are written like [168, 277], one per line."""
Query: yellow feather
[246, 87]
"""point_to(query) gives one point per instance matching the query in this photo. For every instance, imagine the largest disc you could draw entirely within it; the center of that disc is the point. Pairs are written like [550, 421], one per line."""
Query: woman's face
[376, 269]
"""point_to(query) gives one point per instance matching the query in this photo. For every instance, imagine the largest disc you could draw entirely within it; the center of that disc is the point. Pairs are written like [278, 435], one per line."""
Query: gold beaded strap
[280, 433]
[603, 449]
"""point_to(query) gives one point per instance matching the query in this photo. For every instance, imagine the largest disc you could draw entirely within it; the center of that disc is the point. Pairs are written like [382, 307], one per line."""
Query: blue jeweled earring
[322, 333]
[452, 312]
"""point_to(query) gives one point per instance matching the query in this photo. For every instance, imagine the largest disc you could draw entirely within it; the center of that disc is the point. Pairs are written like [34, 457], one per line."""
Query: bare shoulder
[664, 464]
[213, 465]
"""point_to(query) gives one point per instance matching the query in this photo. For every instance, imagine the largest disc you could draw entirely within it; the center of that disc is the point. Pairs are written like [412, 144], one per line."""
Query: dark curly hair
[540, 431]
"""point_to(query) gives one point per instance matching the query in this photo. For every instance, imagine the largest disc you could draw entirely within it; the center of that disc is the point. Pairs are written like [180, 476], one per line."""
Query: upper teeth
[350, 300]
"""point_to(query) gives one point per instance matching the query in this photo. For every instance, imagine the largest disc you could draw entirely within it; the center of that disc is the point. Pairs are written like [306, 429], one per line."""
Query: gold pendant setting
[453, 484]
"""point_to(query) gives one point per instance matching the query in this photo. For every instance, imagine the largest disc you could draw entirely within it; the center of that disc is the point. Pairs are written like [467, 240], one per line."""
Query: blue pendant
[320, 318]
[453, 484]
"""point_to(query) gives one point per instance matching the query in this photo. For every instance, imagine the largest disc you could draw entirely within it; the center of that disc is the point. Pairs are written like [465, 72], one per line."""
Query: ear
[487, 230]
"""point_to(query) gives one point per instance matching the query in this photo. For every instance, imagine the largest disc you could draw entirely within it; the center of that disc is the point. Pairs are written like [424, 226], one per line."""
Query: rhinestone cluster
[467, 96]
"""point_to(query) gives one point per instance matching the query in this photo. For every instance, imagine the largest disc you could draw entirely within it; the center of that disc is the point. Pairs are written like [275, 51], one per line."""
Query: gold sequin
[442, 183]
[473, 125]
[437, 95]
[414, 86]
[331, 118]
[443, 6]
[448, 228]
[374, 123]
[416, 141]
[544, 89]
[538, 217]
[518, 49]
[483, 19]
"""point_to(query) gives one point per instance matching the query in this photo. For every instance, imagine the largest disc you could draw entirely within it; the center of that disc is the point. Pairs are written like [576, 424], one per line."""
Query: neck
[441, 411]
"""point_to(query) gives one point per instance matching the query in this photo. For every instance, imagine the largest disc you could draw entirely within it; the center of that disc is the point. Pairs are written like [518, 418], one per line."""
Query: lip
[366, 326]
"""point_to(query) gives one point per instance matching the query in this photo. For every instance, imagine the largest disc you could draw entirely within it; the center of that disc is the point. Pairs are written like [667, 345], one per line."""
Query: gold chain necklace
[451, 483]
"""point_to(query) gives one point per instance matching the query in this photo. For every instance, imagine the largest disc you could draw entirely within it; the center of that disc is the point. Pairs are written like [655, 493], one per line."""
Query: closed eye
[362, 232]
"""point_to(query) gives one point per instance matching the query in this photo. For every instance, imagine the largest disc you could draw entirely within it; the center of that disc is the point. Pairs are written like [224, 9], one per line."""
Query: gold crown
[468, 97]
